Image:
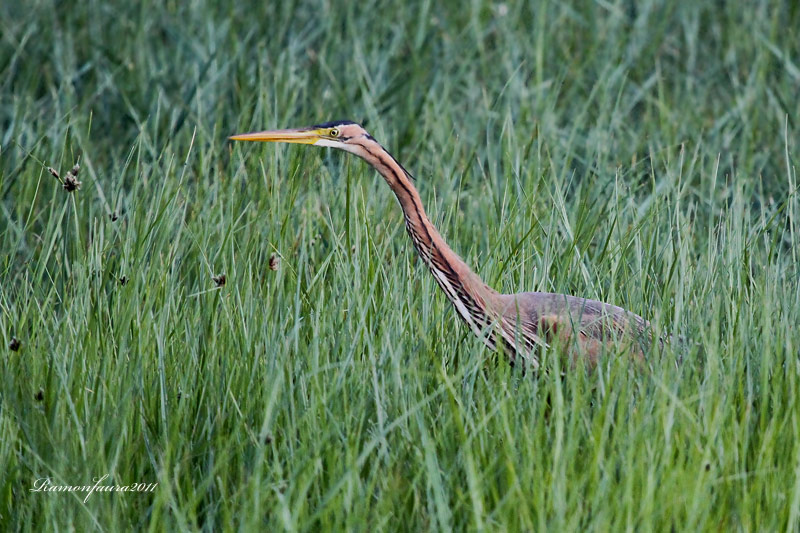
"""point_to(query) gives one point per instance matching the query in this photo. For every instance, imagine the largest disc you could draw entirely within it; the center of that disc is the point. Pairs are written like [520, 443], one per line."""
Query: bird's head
[342, 134]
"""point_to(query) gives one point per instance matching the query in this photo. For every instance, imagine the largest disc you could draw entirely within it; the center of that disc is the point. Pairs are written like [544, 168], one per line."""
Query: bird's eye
[335, 132]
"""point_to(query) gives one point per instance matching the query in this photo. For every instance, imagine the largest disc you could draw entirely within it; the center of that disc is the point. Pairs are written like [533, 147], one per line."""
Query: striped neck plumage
[465, 289]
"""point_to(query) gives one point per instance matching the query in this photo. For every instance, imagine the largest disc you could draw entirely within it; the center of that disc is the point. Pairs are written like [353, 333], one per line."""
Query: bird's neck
[471, 297]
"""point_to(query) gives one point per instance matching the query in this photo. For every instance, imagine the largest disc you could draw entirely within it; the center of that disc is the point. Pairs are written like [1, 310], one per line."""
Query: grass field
[641, 153]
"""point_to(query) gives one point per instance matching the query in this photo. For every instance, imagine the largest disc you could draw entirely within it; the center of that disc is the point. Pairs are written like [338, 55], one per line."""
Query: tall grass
[641, 153]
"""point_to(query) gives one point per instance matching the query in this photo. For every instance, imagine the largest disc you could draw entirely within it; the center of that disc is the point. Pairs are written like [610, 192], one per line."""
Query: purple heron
[519, 323]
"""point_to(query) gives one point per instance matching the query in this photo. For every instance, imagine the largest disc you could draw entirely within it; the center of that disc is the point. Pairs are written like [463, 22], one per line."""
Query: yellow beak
[301, 136]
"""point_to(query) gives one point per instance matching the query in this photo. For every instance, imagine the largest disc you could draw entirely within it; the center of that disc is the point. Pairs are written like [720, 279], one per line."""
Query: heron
[520, 324]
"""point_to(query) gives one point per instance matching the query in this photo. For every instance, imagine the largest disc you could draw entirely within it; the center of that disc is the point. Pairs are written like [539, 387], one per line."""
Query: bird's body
[520, 323]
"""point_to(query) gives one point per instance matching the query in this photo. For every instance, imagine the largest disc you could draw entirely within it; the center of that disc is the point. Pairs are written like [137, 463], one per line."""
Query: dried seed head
[71, 183]
[15, 344]
[274, 262]
[219, 280]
